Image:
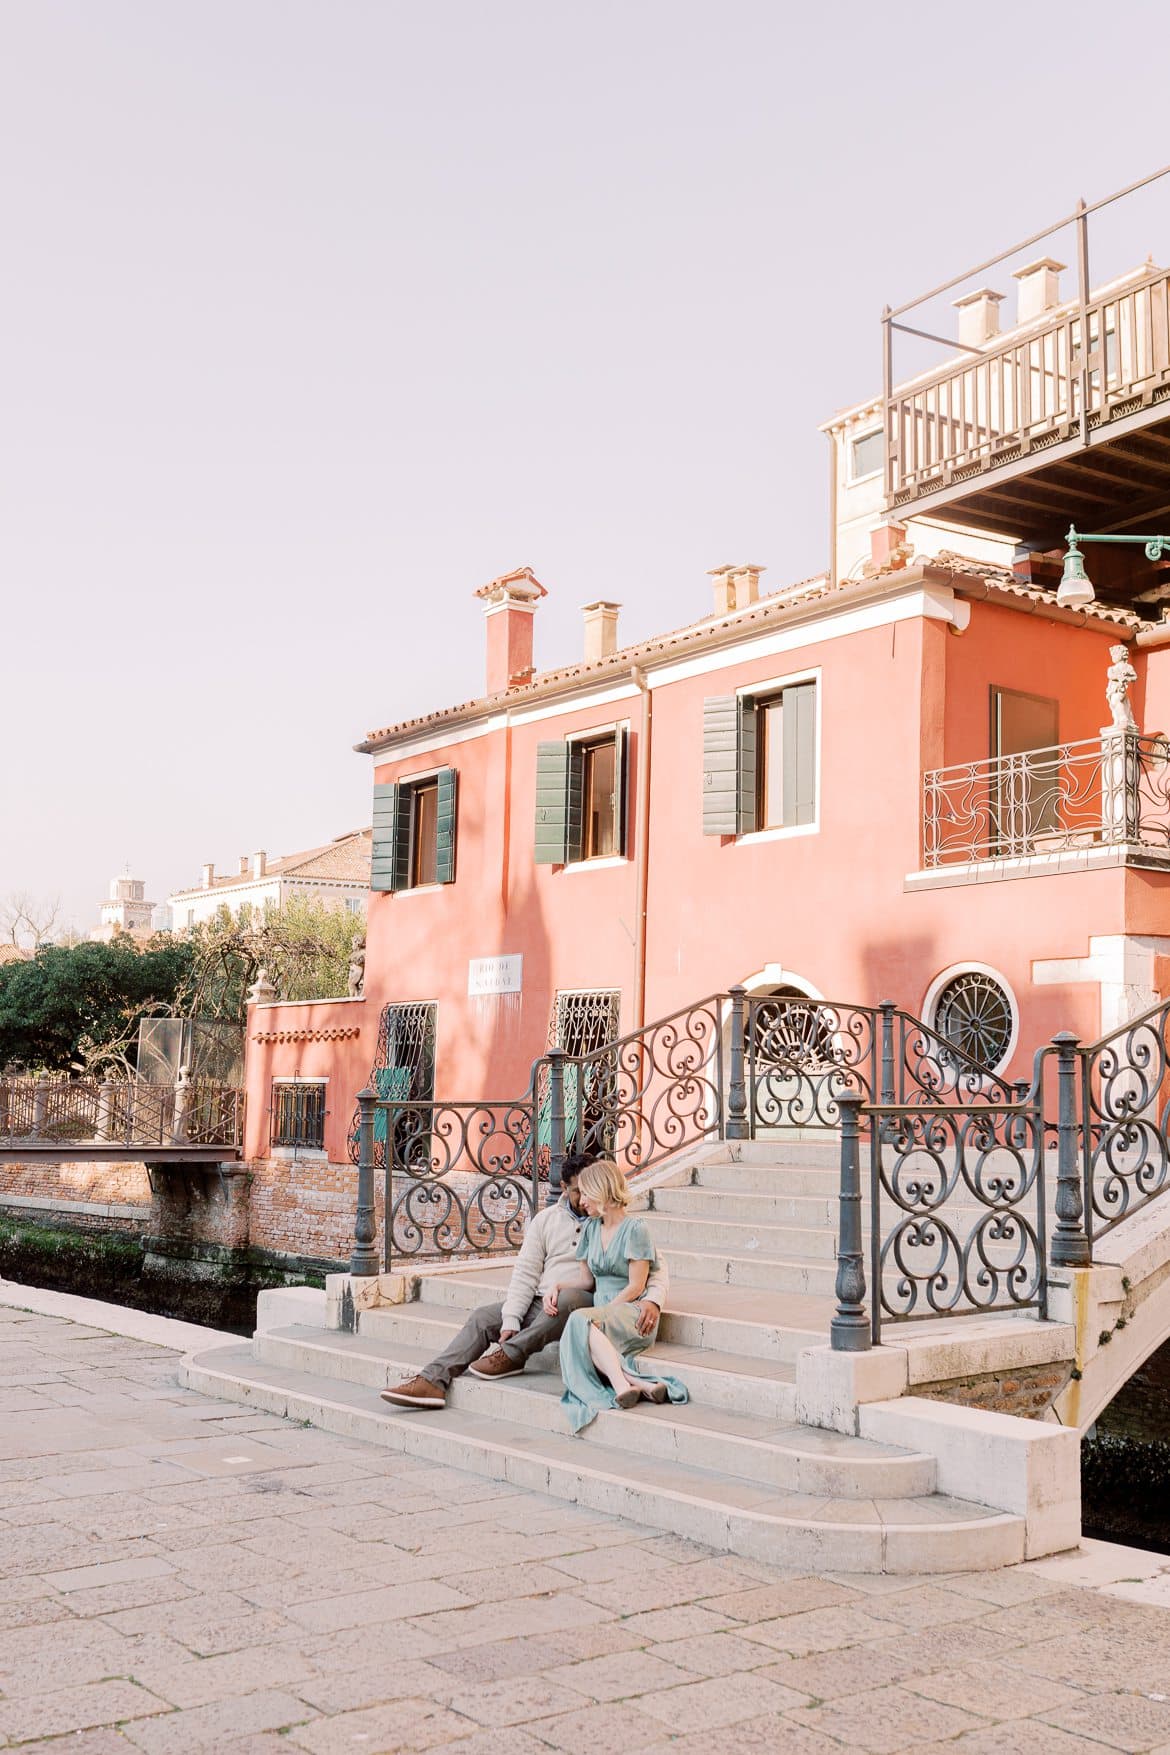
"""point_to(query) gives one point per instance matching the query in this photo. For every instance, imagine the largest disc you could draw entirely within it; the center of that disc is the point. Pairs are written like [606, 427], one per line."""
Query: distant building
[127, 910]
[337, 874]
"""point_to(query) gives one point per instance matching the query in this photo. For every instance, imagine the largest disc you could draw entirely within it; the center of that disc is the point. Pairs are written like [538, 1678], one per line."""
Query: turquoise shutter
[729, 765]
[558, 803]
[403, 808]
[385, 818]
[800, 754]
[621, 803]
[445, 853]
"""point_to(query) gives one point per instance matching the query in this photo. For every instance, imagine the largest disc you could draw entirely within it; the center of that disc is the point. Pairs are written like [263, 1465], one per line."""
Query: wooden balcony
[1065, 421]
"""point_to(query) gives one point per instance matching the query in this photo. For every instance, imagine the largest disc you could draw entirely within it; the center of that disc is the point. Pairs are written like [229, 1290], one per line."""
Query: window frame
[588, 743]
[757, 696]
[298, 1144]
[854, 439]
[416, 852]
[944, 979]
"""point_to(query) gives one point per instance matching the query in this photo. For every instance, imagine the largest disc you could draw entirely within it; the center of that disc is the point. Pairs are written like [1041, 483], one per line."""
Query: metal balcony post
[1070, 1245]
[556, 1118]
[737, 1127]
[849, 1331]
[364, 1260]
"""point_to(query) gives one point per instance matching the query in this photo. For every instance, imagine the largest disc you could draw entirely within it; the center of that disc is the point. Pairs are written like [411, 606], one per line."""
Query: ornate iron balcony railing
[1112, 790]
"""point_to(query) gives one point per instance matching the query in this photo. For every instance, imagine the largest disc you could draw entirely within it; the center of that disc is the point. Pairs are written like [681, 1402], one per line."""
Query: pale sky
[317, 314]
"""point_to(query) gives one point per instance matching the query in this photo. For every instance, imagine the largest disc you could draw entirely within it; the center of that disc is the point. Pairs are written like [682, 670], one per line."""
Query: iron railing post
[849, 1330]
[556, 1122]
[737, 1127]
[364, 1259]
[887, 1009]
[1070, 1245]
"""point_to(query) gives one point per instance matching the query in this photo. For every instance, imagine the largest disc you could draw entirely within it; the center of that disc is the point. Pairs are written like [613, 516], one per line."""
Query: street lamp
[1076, 588]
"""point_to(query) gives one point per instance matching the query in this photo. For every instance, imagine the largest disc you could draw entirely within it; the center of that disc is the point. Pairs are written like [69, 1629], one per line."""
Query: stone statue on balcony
[1120, 675]
[357, 969]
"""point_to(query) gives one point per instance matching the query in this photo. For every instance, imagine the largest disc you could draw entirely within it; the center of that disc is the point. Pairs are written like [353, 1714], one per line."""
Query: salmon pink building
[937, 774]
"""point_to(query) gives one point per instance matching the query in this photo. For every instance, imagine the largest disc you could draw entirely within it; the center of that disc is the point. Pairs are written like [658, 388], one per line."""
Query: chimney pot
[1038, 288]
[509, 604]
[601, 630]
[208, 875]
[245, 862]
[259, 864]
[735, 587]
[978, 316]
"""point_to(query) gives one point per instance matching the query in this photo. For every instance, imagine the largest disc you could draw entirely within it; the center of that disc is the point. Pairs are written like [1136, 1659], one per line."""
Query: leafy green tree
[304, 948]
[68, 1009]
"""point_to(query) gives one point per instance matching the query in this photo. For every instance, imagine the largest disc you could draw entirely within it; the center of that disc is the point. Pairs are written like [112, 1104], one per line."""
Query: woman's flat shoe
[628, 1398]
[654, 1392]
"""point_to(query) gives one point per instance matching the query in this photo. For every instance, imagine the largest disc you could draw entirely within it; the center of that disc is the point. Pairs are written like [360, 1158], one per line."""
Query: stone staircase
[749, 1234]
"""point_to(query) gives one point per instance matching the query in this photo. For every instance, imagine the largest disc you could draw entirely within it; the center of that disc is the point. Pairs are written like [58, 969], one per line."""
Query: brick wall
[1030, 1391]
[304, 1207]
[79, 1196]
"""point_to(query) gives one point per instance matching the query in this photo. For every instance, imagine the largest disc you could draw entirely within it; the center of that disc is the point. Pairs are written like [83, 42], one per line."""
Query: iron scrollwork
[1126, 1119]
[651, 1093]
[459, 1177]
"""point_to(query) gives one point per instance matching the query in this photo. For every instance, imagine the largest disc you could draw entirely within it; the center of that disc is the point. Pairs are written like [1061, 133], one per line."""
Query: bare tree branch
[27, 920]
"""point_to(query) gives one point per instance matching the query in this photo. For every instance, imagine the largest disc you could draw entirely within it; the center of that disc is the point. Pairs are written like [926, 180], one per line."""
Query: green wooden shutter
[385, 817]
[403, 808]
[559, 768]
[552, 791]
[621, 786]
[445, 853]
[800, 754]
[729, 765]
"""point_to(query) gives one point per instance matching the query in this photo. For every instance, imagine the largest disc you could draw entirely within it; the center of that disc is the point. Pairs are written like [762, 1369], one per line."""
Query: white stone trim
[1122, 964]
[970, 967]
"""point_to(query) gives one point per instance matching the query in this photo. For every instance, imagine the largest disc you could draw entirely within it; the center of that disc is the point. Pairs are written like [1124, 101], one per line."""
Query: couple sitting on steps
[587, 1275]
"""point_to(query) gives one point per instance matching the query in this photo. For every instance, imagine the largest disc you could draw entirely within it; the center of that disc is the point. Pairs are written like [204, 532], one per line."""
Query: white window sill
[596, 864]
[417, 890]
[758, 835]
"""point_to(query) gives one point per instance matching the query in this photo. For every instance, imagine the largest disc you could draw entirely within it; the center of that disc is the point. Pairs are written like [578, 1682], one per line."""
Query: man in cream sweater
[497, 1340]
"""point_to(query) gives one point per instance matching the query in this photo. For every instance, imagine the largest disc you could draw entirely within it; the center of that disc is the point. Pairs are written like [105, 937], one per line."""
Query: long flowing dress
[587, 1394]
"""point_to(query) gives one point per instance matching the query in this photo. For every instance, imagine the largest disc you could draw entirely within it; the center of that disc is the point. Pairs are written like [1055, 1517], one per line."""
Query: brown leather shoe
[416, 1392]
[495, 1363]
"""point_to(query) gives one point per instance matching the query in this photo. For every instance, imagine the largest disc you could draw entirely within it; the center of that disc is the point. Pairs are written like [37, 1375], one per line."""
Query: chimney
[259, 864]
[601, 630]
[1039, 288]
[509, 604]
[208, 875]
[735, 587]
[978, 316]
[887, 547]
[245, 862]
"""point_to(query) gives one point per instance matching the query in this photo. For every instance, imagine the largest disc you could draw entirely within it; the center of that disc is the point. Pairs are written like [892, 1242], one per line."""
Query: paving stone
[994, 1691]
[376, 1685]
[713, 1654]
[74, 1709]
[598, 1730]
[516, 1700]
[886, 1720]
[405, 1726]
[203, 1681]
[766, 1735]
[210, 1727]
[764, 1602]
[1022, 1736]
[505, 1657]
[620, 1677]
[721, 1701]
[393, 1603]
[817, 1630]
[1121, 1721]
[655, 1626]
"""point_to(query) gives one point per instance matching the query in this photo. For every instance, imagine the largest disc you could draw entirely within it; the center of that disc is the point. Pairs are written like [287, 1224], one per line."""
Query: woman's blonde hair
[603, 1181]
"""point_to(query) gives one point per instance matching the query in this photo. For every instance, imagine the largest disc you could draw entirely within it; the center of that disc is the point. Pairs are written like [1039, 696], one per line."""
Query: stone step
[729, 1235]
[931, 1533]
[817, 1146]
[746, 1207]
[750, 1446]
[751, 1270]
[820, 1180]
[763, 1323]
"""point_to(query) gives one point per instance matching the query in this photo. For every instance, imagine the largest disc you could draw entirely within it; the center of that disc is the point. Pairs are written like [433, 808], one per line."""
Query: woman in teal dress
[600, 1344]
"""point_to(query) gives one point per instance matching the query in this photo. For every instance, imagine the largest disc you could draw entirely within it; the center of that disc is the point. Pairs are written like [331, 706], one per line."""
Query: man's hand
[550, 1301]
[648, 1315]
[509, 1329]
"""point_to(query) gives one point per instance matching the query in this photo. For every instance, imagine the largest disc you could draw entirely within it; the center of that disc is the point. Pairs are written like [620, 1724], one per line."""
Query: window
[760, 760]
[974, 1010]
[580, 799]
[414, 832]
[867, 455]
[298, 1113]
[354, 905]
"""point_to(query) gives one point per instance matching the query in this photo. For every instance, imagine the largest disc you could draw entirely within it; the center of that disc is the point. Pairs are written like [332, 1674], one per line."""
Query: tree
[62, 1008]
[305, 949]
[28, 920]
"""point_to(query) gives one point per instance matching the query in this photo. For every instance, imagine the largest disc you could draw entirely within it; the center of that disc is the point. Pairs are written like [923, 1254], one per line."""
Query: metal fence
[46, 1110]
[1112, 790]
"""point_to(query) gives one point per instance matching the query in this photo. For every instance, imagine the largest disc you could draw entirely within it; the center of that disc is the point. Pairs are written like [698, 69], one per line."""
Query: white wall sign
[494, 975]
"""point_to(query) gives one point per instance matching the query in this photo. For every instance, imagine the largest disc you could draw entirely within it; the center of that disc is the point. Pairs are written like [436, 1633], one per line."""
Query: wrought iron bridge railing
[1107, 791]
[445, 1178]
[41, 1111]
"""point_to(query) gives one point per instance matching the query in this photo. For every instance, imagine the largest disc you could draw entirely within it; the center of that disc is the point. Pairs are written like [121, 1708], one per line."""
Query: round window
[974, 1012]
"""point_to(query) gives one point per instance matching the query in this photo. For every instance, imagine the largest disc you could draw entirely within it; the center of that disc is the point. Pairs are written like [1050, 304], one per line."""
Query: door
[1025, 785]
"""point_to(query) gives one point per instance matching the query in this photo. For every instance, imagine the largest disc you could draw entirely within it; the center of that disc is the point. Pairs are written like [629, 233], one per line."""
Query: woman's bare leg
[607, 1360]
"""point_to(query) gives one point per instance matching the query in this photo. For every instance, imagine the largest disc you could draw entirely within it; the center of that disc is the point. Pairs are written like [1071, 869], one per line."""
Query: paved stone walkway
[178, 1574]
